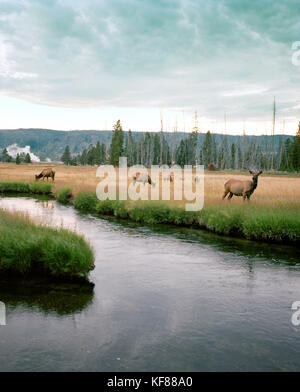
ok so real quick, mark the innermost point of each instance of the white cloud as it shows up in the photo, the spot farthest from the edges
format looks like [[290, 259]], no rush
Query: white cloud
[[197, 54]]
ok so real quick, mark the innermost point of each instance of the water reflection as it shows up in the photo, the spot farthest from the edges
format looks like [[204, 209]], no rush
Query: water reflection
[[165, 299], [47, 204], [45, 296], [272, 253]]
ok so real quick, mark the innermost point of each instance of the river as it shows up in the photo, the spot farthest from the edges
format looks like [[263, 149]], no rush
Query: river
[[165, 299]]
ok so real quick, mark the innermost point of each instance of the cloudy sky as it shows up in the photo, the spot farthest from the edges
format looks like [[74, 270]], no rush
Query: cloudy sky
[[82, 64]]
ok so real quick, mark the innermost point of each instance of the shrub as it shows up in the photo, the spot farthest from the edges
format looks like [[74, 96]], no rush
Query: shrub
[[14, 187], [105, 207], [86, 202], [25, 187], [120, 210], [63, 195], [181, 217], [150, 213], [221, 220], [279, 225], [40, 188], [112, 207]]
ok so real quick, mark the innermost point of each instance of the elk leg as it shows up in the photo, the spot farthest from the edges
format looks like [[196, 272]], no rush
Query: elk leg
[[225, 194], [230, 196]]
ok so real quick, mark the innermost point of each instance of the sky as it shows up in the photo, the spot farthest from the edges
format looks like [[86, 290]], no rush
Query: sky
[[84, 64]]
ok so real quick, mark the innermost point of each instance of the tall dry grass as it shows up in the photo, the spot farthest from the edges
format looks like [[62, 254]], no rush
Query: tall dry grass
[[272, 190], [272, 215]]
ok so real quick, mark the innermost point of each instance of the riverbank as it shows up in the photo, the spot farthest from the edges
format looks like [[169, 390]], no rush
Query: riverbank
[[268, 219], [281, 224], [30, 249]]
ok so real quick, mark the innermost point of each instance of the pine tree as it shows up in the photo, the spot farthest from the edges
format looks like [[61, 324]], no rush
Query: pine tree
[[83, 157], [91, 155], [27, 158], [191, 148], [73, 161], [148, 149], [295, 151], [280, 155], [116, 147], [18, 159], [181, 153], [224, 155], [285, 158], [66, 157], [5, 157], [156, 150], [103, 153], [98, 154], [207, 150], [250, 156], [233, 156]]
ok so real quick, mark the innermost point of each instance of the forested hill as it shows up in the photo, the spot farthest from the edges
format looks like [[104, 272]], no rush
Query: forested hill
[[47, 143]]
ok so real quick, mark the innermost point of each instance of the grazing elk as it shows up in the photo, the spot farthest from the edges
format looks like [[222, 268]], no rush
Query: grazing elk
[[46, 173], [143, 177], [241, 188]]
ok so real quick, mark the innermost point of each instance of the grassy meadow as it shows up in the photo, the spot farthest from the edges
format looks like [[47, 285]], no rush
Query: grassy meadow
[[273, 214]]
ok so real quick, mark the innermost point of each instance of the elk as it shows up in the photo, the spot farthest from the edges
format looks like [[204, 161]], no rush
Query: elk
[[241, 188], [46, 173], [143, 177]]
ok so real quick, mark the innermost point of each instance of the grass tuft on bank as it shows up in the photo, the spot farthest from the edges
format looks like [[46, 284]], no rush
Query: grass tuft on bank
[[26, 248], [278, 224], [63, 195], [35, 188], [86, 201]]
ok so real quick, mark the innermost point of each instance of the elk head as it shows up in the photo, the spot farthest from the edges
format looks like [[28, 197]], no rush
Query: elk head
[[255, 175]]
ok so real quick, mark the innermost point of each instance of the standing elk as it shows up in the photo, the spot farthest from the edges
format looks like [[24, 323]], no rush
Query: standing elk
[[241, 188], [46, 173]]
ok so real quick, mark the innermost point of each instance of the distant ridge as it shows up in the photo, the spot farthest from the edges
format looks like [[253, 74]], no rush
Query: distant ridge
[[48, 143]]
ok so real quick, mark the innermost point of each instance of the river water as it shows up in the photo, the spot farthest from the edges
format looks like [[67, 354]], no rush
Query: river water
[[165, 299]]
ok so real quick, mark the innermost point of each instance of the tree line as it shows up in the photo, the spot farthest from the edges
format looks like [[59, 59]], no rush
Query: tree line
[[154, 149]]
